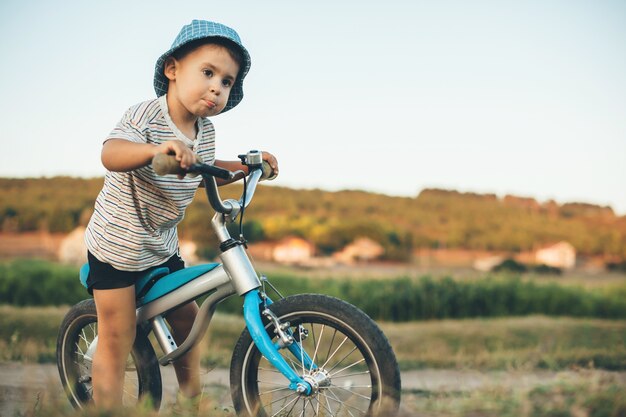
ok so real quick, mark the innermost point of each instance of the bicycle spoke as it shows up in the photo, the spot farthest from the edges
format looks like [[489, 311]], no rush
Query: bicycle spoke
[[351, 392], [282, 398], [316, 345], [336, 350], [342, 359], [274, 390], [357, 386], [349, 366], [292, 407], [335, 398], [293, 364], [330, 346], [335, 376], [317, 400], [304, 403], [270, 383], [328, 403], [285, 406], [83, 336], [310, 403], [80, 351]]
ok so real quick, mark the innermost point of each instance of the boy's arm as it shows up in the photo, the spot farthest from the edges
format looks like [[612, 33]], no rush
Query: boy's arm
[[122, 155], [231, 166], [237, 165]]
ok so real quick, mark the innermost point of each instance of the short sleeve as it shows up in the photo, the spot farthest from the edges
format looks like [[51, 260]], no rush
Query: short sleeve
[[128, 129]]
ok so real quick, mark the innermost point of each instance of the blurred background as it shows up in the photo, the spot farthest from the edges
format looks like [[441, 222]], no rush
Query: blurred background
[[453, 168]]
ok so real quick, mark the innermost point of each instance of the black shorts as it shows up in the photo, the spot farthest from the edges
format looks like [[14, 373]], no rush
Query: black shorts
[[103, 276]]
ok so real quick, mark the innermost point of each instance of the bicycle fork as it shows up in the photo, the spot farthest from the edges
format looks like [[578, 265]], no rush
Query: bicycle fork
[[252, 316]]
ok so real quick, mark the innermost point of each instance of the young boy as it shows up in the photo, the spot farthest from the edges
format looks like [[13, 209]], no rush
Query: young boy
[[133, 227]]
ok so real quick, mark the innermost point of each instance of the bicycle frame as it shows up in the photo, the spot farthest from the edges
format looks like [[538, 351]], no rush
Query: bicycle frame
[[235, 275]]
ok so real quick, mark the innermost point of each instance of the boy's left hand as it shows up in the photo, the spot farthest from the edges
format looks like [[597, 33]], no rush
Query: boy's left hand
[[271, 159]]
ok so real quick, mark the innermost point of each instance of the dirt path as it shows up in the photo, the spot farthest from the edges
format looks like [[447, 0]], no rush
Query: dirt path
[[23, 385]]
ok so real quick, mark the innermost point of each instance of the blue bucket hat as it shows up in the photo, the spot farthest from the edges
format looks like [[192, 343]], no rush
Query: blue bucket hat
[[203, 29]]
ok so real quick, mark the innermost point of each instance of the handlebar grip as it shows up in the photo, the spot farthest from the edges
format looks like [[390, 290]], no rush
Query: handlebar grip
[[268, 172], [164, 164]]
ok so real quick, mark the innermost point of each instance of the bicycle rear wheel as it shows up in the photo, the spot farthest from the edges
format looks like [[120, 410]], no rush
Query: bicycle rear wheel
[[356, 375], [75, 350]]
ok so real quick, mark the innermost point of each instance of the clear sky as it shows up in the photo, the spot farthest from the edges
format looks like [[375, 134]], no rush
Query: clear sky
[[520, 97]]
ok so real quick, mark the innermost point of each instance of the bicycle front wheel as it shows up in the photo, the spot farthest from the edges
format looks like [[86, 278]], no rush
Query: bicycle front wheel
[[355, 372], [75, 348]]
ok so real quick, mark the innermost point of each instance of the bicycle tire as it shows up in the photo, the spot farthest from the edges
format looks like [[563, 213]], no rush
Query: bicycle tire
[[77, 332], [374, 389]]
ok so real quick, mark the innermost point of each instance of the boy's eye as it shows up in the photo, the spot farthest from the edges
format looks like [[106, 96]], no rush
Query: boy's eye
[[208, 73], [227, 83]]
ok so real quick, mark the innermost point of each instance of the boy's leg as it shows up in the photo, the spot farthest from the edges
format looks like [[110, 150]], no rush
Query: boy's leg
[[188, 366], [116, 335]]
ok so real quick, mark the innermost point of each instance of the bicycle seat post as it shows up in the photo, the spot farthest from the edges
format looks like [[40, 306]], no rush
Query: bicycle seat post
[[163, 335]]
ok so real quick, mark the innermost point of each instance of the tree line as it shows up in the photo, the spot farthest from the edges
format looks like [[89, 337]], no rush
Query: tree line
[[432, 219]]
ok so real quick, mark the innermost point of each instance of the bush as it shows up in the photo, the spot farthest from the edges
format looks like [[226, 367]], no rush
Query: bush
[[616, 266], [401, 299], [546, 269], [510, 265], [35, 282], [405, 299]]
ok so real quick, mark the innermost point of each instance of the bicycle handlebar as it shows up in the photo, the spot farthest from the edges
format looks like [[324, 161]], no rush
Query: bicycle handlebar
[[164, 164]]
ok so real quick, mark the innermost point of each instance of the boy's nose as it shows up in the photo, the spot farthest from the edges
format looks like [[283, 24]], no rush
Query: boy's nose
[[216, 88]]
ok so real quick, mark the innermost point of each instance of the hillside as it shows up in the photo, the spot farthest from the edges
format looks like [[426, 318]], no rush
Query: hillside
[[433, 219]]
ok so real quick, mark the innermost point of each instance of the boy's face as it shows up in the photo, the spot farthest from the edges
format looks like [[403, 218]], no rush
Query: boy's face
[[201, 81]]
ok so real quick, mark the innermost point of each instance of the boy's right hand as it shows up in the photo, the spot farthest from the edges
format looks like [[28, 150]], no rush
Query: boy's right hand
[[183, 154]]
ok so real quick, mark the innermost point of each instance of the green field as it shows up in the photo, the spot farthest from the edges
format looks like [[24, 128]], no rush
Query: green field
[[520, 345], [534, 342], [469, 322]]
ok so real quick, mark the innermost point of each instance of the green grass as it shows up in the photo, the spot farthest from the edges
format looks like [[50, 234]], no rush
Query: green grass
[[524, 344], [535, 342], [598, 396]]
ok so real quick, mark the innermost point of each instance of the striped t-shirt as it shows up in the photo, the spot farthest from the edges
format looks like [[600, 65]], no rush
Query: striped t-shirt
[[133, 226]]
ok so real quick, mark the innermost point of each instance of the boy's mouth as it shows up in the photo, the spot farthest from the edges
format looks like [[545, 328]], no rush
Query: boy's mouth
[[210, 103]]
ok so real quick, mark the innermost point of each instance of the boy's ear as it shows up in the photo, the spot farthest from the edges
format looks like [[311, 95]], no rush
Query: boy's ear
[[169, 68]]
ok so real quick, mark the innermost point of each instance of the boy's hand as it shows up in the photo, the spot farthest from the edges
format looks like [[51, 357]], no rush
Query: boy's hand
[[183, 154], [271, 159]]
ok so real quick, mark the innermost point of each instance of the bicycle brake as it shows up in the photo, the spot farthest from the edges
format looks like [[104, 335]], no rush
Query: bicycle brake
[[284, 339]]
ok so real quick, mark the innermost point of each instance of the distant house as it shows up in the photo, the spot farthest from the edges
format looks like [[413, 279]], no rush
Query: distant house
[[559, 255], [72, 249], [488, 263], [361, 249], [293, 250], [188, 251]]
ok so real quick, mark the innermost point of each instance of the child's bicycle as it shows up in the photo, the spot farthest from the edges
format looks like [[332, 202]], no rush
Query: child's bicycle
[[304, 355]]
